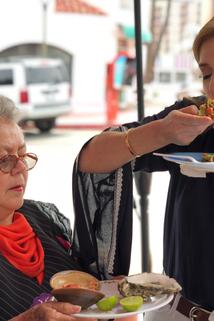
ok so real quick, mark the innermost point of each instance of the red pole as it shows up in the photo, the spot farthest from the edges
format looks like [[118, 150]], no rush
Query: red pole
[[112, 96], [112, 91]]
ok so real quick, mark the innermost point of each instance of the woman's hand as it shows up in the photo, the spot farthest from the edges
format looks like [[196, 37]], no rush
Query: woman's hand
[[182, 126], [179, 127], [51, 311]]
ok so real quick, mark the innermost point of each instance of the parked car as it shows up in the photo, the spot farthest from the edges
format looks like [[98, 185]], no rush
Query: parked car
[[40, 87]]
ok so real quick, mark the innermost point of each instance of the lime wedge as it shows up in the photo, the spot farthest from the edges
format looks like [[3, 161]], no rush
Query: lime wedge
[[108, 303], [131, 303]]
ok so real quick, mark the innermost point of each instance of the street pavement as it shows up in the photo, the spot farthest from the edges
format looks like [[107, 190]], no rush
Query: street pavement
[[94, 120], [99, 120]]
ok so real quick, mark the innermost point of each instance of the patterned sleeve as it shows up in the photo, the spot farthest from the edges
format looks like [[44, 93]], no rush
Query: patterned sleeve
[[103, 220]]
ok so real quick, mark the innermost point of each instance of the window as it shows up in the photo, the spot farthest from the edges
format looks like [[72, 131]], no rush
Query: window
[[41, 75], [6, 77], [180, 77], [164, 77]]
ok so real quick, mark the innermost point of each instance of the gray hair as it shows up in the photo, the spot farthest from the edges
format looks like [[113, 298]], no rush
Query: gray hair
[[8, 109]]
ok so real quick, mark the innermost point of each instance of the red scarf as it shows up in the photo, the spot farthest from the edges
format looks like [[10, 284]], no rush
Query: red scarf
[[22, 248]]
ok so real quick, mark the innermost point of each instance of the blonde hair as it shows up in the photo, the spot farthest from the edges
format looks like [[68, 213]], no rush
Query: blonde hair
[[8, 109], [206, 32]]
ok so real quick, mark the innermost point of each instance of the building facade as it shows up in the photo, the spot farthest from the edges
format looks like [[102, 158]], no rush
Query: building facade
[[84, 33], [185, 19]]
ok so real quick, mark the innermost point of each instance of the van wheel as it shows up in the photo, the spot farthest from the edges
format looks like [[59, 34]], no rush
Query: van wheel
[[45, 125]]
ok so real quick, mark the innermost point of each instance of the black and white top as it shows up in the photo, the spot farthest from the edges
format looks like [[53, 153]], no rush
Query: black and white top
[[17, 290], [189, 218]]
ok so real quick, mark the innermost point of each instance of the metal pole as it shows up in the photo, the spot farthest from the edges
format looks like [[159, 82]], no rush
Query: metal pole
[[44, 28], [142, 179], [139, 59]]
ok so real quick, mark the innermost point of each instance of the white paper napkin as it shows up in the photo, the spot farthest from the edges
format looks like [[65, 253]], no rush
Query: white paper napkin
[[191, 171]]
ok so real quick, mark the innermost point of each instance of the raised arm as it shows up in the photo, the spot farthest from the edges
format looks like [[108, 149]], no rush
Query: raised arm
[[111, 150]]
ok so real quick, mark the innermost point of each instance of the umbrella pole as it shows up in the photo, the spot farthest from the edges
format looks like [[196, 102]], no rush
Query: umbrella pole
[[142, 179], [139, 59]]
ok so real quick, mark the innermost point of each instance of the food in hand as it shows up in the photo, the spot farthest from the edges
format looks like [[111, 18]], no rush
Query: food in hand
[[76, 287], [147, 285], [207, 109], [131, 303], [107, 304], [208, 157]]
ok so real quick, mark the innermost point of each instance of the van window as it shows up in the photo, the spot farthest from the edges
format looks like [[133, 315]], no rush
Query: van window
[[6, 77], [52, 74]]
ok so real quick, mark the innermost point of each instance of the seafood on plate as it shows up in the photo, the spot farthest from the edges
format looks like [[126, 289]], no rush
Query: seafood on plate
[[76, 287], [148, 284], [208, 157]]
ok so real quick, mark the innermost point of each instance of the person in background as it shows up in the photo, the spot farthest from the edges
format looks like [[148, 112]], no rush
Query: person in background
[[189, 220], [35, 238]]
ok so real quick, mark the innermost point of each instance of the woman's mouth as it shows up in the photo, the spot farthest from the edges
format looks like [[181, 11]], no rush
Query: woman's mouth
[[17, 188]]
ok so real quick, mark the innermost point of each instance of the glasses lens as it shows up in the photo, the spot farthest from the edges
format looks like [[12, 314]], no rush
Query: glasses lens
[[30, 160], [7, 163]]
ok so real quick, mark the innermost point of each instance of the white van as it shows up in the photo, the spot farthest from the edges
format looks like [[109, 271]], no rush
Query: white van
[[40, 87]]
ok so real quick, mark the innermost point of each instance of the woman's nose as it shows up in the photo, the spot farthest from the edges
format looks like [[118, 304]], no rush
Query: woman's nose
[[19, 167]]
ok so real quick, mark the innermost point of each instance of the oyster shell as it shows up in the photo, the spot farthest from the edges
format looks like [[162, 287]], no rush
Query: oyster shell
[[82, 297], [76, 287], [148, 284], [76, 278]]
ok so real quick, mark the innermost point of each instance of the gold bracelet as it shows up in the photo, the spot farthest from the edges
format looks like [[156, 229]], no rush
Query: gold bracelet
[[130, 148]]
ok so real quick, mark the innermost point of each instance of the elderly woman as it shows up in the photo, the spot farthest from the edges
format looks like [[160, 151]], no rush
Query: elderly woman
[[35, 238], [32, 234], [189, 220]]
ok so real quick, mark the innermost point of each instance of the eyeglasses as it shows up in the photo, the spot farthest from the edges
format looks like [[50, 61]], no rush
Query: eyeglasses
[[8, 163]]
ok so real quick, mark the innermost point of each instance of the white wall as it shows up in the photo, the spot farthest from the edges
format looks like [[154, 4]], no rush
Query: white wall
[[91, 41], [20, 21]]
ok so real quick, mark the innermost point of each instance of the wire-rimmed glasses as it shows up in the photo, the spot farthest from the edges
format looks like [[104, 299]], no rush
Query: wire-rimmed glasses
[[8, 162]]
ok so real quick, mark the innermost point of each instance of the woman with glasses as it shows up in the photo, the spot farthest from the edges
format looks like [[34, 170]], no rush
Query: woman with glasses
[[189, 219], [35, 238], [29, 242]]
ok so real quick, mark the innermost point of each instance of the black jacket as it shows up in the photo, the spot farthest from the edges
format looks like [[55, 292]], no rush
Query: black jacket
[[17, 290]]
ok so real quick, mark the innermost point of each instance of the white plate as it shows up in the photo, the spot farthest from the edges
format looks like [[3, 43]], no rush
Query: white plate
[[110, 288], [193, 160]]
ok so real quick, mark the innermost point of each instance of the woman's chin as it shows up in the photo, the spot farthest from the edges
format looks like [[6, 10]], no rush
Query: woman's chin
[[16, 204], [20, 203]]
